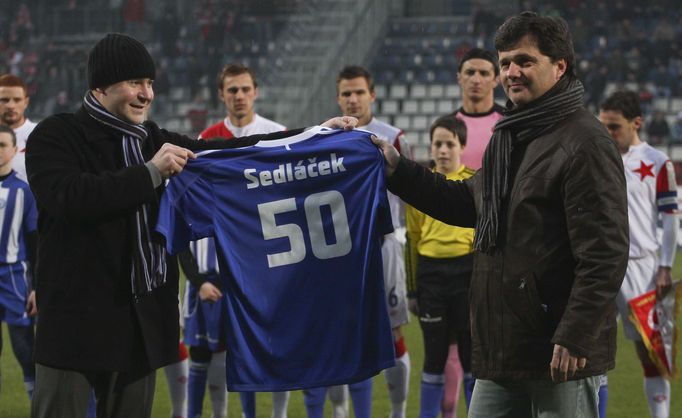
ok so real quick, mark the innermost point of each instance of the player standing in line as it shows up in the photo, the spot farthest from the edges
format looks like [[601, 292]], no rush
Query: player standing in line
[[652, 191], [439, 262], [204, 304], [177, 376], [17, 254], [355, 95], [477, 75], [13, 103]]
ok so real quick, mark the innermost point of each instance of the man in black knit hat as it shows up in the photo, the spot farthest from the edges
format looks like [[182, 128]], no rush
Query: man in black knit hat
[[106, 289], [549, 207]]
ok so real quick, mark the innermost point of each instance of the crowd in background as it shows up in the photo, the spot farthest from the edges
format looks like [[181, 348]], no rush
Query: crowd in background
[[628, 42]]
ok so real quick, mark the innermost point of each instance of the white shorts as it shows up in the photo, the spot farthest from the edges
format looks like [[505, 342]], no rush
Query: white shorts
[[394, 280], [639, 279]]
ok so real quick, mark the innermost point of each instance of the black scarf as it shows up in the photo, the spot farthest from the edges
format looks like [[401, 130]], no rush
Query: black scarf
[[149, 257], [519, 125]]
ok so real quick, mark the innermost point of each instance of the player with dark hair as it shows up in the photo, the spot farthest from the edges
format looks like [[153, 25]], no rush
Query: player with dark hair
[[477, 75], [355, 95], [652, 195], [17, 257], [204, 299]]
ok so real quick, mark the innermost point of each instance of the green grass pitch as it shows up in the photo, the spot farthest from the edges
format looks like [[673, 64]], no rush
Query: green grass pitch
[[626, 399]]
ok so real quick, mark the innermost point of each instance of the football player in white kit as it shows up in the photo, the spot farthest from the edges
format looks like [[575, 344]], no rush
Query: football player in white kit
[[13, 103], [652, 192], [355, 95]]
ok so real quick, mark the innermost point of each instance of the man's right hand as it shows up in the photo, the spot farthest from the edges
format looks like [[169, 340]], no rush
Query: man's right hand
[[207, 291], [413, 306], [391, 155], [171, 159]]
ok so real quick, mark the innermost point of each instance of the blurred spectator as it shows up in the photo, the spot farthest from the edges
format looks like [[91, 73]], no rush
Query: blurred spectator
[[22, 26], [677, 129], [658, 129]]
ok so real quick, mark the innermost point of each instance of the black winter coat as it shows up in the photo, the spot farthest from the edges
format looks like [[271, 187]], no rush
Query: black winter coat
[[88, 319], [562, 250]]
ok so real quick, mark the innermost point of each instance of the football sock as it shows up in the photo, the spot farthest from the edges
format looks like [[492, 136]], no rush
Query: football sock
[[314, 401], [196, 388], [398, 380], [453, 383], [657, 391], [248, 404], [361, 394], [431, 395], [177, 376], [468, 383], [217, 389], [603, 395], [280, 401], [338, 396], [92, 406]]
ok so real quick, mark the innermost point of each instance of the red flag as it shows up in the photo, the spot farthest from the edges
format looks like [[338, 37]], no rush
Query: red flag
[[655, 320]]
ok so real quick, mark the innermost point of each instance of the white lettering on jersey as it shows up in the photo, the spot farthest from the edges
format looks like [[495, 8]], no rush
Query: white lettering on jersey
[[285, 173]]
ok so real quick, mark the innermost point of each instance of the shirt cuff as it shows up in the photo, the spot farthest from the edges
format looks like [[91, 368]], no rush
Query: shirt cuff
[[154, 173]]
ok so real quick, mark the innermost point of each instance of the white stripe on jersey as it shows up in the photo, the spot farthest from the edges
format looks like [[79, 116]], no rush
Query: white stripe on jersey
[[15, 229]]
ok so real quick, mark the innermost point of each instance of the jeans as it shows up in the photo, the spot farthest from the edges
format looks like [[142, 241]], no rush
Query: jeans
[[535, 399]]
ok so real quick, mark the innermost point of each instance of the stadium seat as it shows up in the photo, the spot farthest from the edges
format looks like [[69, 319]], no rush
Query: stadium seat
[[428, 107], [410, 106], [436, 91], [398, 91], [389, 107], [402, 122], [418, 91], [420, 122], [453, 91]]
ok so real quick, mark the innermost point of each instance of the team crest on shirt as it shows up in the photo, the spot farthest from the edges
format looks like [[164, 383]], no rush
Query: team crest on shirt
[[644, 170]]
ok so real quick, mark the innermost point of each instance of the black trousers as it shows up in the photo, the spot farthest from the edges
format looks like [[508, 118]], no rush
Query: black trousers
[[443, 297], [65, 393]]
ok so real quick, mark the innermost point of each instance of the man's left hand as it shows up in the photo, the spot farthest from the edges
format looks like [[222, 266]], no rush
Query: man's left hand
[[346, 123], [564, 364], [31, 307], [664, 281]]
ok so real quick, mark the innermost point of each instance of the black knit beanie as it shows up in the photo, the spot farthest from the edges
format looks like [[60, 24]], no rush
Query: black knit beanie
[[116, 58]]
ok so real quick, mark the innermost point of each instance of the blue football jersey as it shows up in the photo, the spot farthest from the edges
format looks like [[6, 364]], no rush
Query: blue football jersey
[[18, 216], [298, 224]]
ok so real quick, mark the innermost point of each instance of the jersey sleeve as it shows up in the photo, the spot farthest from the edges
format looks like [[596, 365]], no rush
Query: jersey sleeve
[[185, 212], [666, 188]]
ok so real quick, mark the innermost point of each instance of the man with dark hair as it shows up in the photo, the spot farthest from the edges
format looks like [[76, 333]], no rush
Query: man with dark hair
[[477, 75], [13, 103], [355, 95], [205, 314], [106, 289], [238, 89], [652, 193], [551, 240]]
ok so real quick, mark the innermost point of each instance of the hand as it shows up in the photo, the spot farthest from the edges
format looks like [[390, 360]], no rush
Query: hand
[[391, 155], [208, 291], [31, 307], [346, 123], [564, 364], [664, 281], [413, 306], [171, 159]]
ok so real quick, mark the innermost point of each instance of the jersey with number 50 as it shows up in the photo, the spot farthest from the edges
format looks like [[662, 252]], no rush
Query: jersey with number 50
[[298, 223]]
